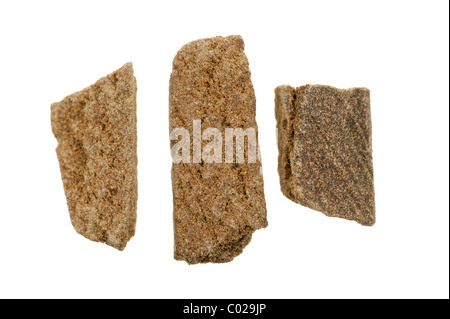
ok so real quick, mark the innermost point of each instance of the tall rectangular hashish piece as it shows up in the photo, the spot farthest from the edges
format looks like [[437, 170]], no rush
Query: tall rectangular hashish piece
[[217, 206]]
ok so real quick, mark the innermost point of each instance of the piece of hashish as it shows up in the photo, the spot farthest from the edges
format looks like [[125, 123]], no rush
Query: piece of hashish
[[97, 153], [325, 150], [217, 206]]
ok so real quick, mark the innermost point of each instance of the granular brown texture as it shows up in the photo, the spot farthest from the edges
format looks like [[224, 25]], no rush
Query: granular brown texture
[[217, 206], [325, 150], [97, 142]]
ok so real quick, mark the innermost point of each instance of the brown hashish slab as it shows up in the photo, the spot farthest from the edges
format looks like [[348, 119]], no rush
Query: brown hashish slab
[[325, 150], [217, 206], [97, 142]]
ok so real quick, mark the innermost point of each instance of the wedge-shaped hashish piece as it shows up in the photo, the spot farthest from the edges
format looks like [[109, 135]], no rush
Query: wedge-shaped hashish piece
[[97, 143], [217, 204], [325, 150]]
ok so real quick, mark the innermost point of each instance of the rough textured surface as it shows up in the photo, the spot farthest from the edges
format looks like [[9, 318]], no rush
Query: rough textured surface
[[325, 150], [97, 141], [217, 206]]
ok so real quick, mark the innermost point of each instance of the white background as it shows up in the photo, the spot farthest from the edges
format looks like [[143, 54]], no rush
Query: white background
[[397, 49]]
